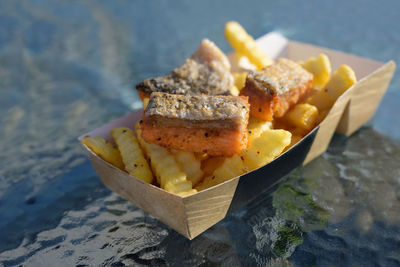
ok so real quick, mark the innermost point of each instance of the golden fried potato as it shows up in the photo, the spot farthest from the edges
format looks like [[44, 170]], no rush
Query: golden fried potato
[[190, 165], [234, 90], [186, 193], [265, 148], [298, 131], [184, 186], [240, 61], [321, 100], [244, 44], [304, 116], [240, 79], [145, 102], [262, 149], [132, 154], [320, 67], [165, 167], [257, 127], [105, 150], [322, 115], [230, 168], [342, 79], [295, 138], [210, 164]]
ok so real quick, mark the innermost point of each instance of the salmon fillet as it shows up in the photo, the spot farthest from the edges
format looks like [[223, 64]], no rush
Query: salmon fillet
[[276, 88], [216, 125], [207, 71]]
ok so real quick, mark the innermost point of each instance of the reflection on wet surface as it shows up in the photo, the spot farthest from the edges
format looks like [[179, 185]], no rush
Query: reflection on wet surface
[[68, 68]]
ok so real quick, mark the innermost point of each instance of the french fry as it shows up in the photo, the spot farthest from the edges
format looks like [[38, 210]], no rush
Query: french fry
[[209, 165], [264, 145], [295, 138], [234, 90], [145, 102], [167, 170], [105, 150], [189, 164], [240, 79], [244, 44], [265, 148], [322, 115], [232, 167], [131, 153], [186, 193], [304, 116], [321, 100], [298, 131], [241, 61], [342, 79], [257, 127], [320, 67], [184, 186]]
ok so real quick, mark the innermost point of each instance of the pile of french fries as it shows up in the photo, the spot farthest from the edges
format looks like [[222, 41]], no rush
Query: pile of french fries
[[304, 116], [184, 173]]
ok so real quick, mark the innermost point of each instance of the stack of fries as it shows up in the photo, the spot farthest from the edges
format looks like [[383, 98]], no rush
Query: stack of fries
[[185, 173], [304, 116]]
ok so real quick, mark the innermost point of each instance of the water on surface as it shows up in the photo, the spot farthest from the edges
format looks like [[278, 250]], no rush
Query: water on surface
[[68, 67]]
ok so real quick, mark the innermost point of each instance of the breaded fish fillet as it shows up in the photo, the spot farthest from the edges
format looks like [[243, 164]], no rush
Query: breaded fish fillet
[[216, 125], [274, 89], [207, 71]]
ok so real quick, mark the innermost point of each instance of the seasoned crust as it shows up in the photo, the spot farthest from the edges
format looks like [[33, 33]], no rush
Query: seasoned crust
[[278, 79], [206, 72], [191, 78], [197, 111]]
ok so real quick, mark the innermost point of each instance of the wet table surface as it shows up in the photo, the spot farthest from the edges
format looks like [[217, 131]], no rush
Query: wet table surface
[[68, 67]]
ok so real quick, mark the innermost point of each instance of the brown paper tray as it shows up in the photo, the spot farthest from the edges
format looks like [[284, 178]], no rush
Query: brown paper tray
[[192, 215]]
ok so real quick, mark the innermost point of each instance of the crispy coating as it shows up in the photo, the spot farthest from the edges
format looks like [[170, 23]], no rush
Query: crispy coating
[[197, 111], [278, 79], [206, 72]]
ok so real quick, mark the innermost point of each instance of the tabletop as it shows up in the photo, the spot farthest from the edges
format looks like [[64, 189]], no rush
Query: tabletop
[[67, 67]]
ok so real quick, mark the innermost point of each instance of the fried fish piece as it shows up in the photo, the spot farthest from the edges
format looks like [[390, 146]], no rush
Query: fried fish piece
[[216, 125], [274, 89], [207, 71]]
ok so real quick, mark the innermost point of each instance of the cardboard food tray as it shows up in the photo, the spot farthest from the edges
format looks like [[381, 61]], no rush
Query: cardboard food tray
[[193, 214]]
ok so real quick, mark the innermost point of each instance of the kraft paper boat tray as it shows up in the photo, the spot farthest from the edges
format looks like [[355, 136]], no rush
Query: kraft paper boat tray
[[193, 214]]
